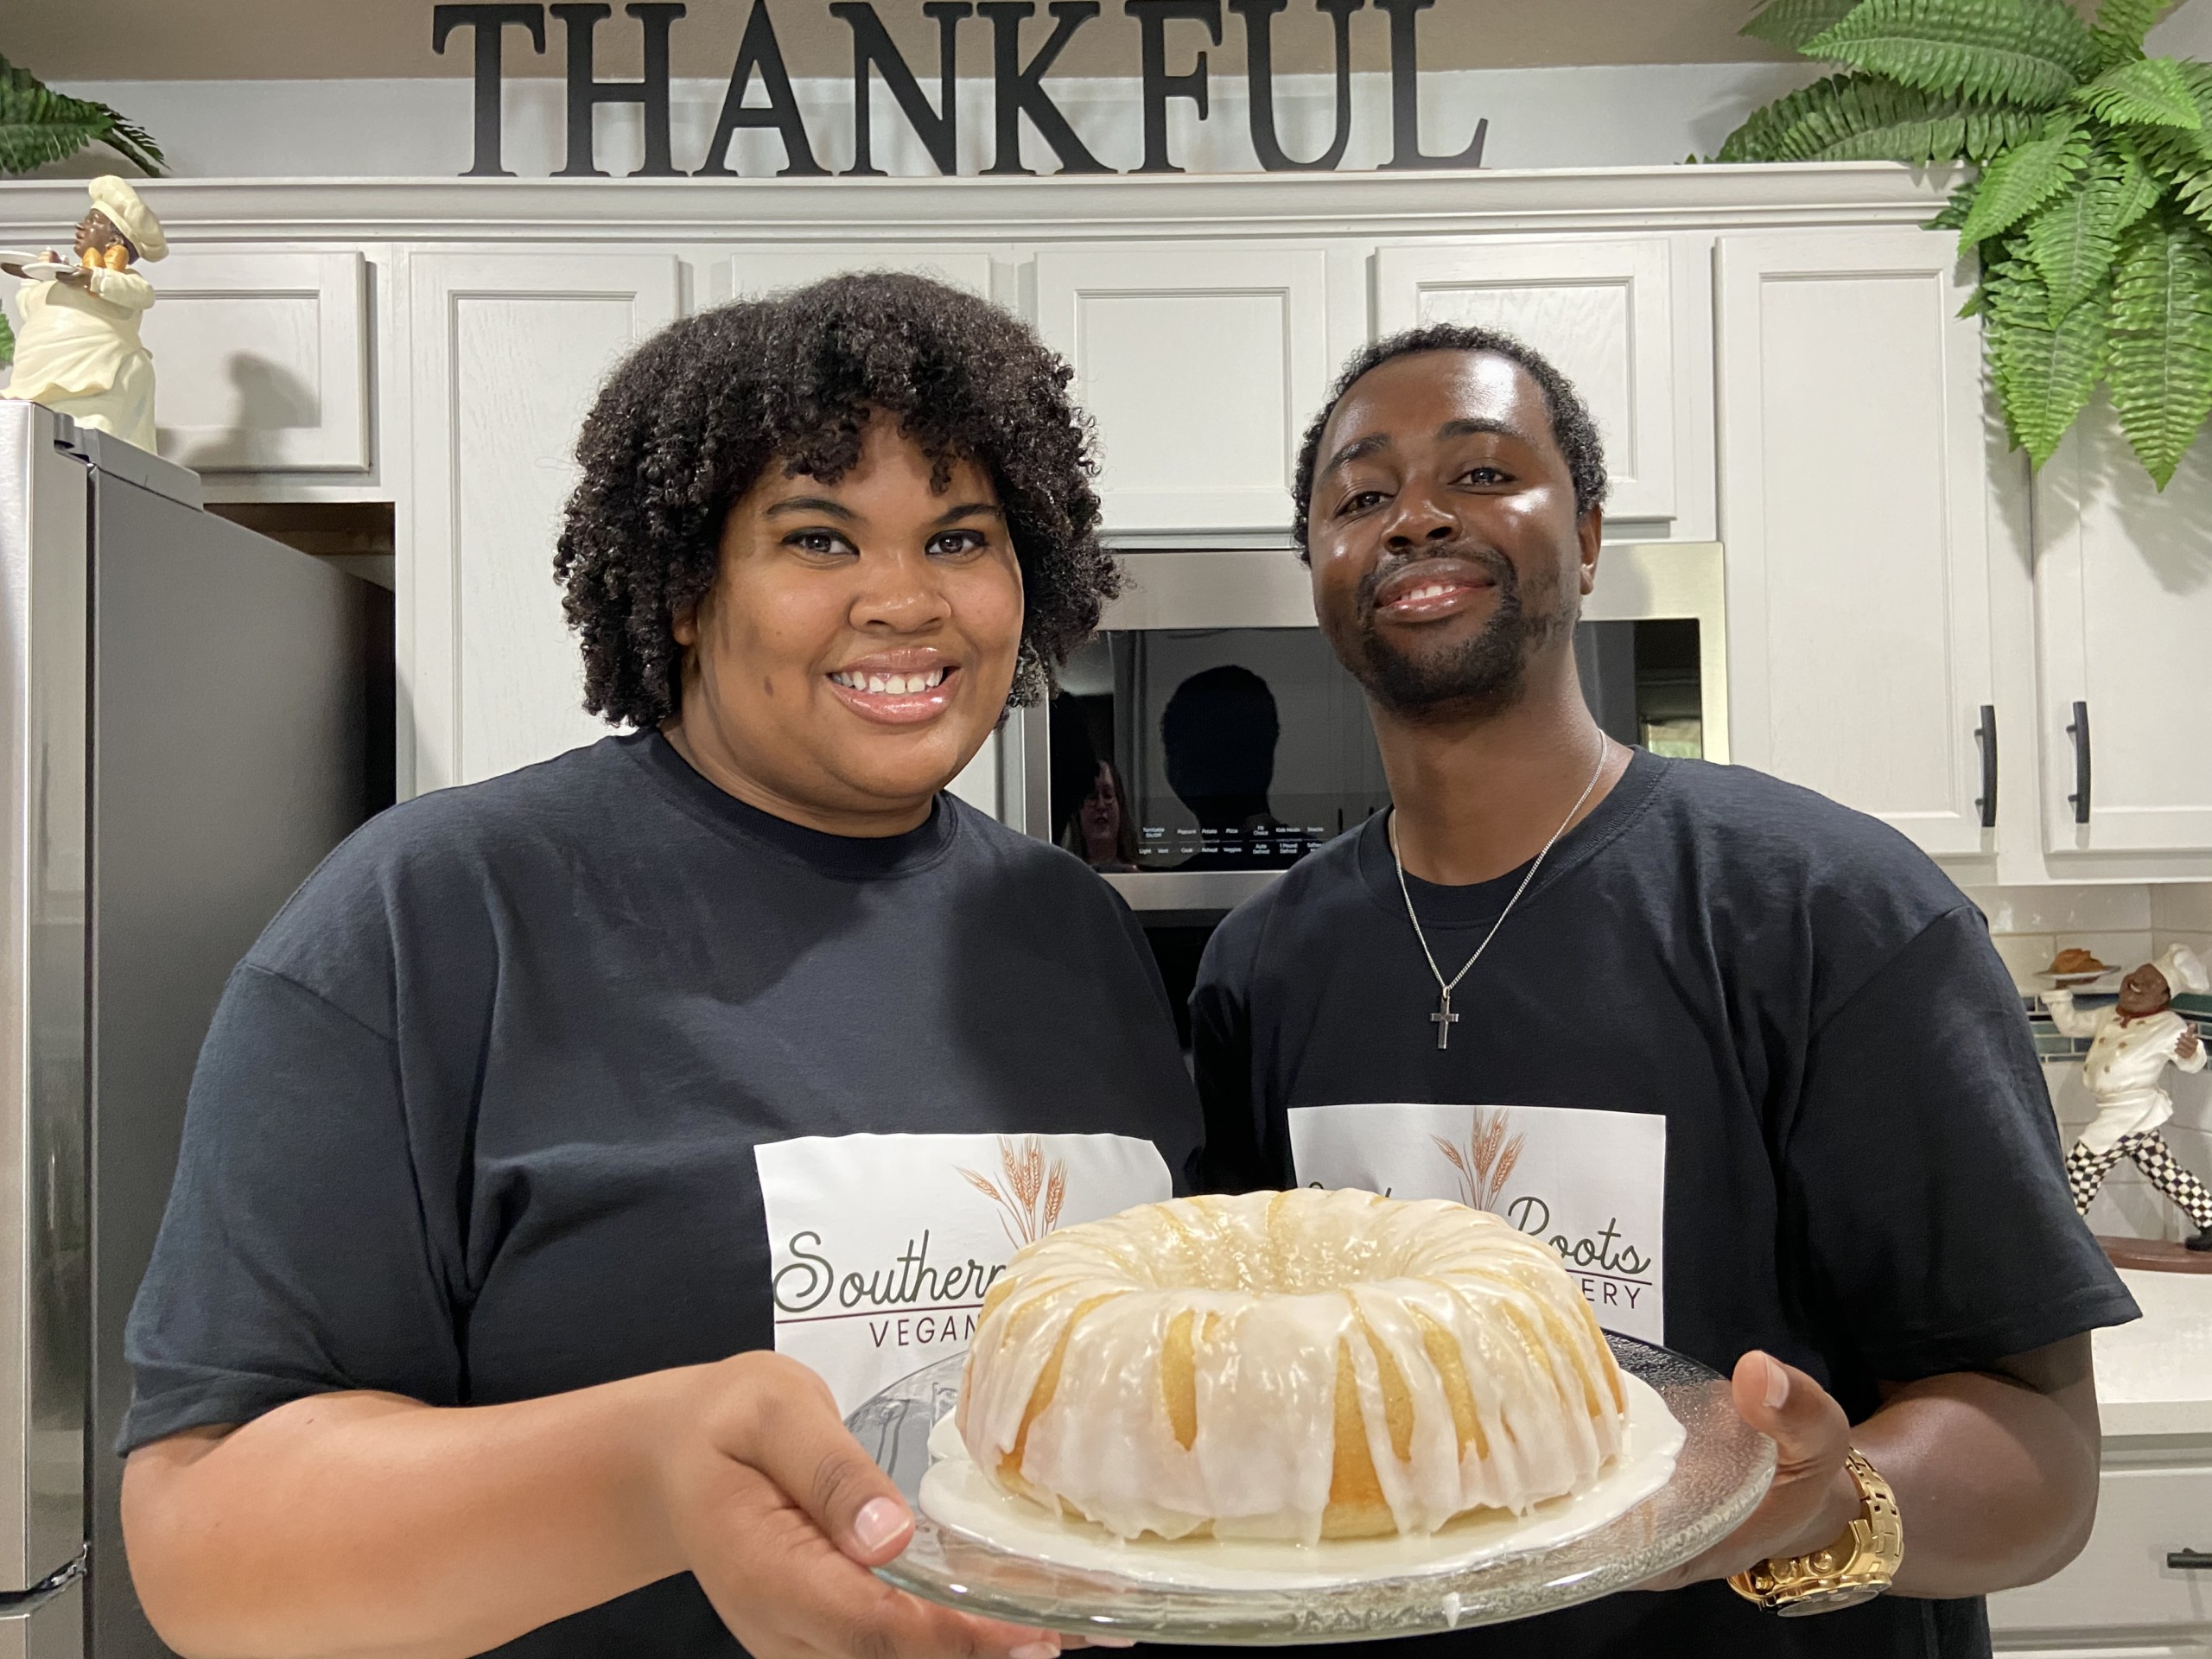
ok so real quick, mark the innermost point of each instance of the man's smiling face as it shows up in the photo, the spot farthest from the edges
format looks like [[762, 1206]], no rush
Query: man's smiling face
[[1447, 551]]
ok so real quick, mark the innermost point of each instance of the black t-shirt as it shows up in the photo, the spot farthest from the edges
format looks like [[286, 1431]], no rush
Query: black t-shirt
[[489, 1112], [1764, 1074]]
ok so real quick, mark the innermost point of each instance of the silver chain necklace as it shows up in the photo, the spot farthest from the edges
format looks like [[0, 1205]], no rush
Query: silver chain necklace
[[1444, 1019]]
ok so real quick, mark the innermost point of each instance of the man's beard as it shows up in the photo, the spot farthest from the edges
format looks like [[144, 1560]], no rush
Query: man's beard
[[1486, 674]]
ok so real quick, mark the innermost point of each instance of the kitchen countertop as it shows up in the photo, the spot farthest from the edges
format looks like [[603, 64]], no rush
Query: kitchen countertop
[[2154, 1376]]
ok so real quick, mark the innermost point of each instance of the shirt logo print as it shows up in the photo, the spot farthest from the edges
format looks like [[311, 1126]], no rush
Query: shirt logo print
[[1480, 1168], [1029, 1191]]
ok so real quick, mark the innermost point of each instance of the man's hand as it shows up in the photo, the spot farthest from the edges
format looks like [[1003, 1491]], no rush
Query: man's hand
[[1812, 1499], [2186, 1044]]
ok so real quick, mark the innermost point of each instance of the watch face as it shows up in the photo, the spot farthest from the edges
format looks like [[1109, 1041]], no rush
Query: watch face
[[1829, 1601]]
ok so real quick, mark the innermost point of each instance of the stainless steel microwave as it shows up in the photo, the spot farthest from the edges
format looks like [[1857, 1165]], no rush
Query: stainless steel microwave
[[1206, 737]]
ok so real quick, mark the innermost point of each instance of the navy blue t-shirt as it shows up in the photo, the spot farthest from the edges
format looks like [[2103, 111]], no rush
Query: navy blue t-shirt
[[1748, 1058], [481, 1115]]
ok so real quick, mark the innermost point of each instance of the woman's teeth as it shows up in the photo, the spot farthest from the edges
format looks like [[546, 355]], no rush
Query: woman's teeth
[[891, 684]]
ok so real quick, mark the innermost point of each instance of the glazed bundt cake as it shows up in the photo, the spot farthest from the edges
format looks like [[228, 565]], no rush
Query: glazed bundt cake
[[1299, 1364]]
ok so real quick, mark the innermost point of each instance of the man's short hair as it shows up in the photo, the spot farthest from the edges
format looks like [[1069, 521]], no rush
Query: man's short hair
[[1573, 429]]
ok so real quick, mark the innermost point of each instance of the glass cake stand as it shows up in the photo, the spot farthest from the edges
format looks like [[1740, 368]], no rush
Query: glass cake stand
[[1720, 1474]]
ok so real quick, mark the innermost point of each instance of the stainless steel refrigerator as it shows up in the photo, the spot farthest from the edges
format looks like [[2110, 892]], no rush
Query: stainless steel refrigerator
[[183, 735]]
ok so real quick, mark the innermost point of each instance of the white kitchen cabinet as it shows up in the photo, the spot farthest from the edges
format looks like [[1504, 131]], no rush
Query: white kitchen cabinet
[[508, 351], [1853, 507], [1201, 367], [261, 359], [751, 271], [1605, 311], [2123, 603], [2121, 1597]]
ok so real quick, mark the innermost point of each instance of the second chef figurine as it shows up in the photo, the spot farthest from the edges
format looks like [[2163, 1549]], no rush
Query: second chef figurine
[[2131, 1044], [79, 351]]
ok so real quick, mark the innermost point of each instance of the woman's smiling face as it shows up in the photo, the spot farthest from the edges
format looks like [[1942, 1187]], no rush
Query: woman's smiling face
[[858, 644]]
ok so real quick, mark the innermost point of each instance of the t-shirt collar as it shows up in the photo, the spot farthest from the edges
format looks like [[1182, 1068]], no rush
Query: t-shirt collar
[[852, 857], [1477, 904]]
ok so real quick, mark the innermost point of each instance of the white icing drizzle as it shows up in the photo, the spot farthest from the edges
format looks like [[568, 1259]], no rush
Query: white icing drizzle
[[1278, 1284]]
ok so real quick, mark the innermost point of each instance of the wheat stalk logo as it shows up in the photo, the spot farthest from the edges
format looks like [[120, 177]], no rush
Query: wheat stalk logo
[[1480, 1168], [1030, 1191]]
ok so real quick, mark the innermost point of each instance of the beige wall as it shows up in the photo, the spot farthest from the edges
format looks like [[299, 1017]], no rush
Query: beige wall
[[249, 40]]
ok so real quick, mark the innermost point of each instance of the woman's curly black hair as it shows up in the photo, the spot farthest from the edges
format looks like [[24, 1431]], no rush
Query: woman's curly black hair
[[699, 412]]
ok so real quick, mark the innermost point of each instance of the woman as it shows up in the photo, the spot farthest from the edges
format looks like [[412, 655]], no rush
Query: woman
[[576, 1147], [1103, 834]]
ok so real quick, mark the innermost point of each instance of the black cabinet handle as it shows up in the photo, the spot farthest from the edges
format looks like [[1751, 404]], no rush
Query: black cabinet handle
[[2190, 1561], [2079, 731], [1986, 736]]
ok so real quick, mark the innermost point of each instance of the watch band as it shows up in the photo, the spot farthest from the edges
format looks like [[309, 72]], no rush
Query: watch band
[[1858, 1565]]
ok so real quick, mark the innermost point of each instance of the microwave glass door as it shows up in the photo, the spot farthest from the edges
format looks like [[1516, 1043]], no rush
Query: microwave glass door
[[1244, 748]]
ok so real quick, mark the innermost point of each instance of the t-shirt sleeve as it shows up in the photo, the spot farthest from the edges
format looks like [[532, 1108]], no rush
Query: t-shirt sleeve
[[1236, 1158], [292, 1260], [1922, 1172]]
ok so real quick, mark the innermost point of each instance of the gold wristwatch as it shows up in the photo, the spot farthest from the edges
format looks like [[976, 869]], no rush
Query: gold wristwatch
[[1858, 1567]]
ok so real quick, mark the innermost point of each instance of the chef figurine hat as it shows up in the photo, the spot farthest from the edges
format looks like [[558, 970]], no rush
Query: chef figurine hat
[[2184, 971], [129, 214]]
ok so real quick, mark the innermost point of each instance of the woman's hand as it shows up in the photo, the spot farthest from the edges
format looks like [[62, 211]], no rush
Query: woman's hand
[[779, 1515], [1812, 1498], [350, 1524]]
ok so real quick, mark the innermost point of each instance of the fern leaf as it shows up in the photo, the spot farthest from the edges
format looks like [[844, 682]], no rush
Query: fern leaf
[[2027, 53], [2050, 367], [2022, 180], [2121, 26], [2147, 93], [2074, 239], [1860, 117], [2194, 197], [1791, 23], [2162, 340], [7, 342], [134, 143], [39, 125], [2139, 191], [1955, 210]]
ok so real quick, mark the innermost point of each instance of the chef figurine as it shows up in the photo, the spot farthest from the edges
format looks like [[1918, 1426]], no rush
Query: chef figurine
[[79, 351], [2132, 1043]]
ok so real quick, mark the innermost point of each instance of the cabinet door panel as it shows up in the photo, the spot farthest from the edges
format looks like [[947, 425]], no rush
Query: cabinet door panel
[[2124, 588], [509, 351], [260, 360], [1853, 505], [2120, 1580], [1201, 367], [762, 270], [1600, 311]]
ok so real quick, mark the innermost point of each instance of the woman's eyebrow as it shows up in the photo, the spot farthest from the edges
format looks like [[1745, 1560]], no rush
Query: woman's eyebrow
[[969, 510], [821, 503]]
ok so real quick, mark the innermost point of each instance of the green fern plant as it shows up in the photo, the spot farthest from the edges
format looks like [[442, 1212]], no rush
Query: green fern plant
[[2091, 211], [39, 125]]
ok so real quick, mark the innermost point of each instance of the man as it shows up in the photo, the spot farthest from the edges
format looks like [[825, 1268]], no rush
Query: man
[[80, 350], [1746, 1058], [2132, 1043]]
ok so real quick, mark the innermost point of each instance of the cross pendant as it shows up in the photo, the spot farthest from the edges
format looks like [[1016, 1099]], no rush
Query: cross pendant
[[1444, 1019]]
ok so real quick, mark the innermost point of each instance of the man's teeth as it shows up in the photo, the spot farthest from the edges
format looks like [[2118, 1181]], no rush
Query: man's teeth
[[1431, 590], [891, 684]]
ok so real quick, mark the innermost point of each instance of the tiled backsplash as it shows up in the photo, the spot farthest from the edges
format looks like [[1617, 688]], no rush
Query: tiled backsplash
[[2124, 926]]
